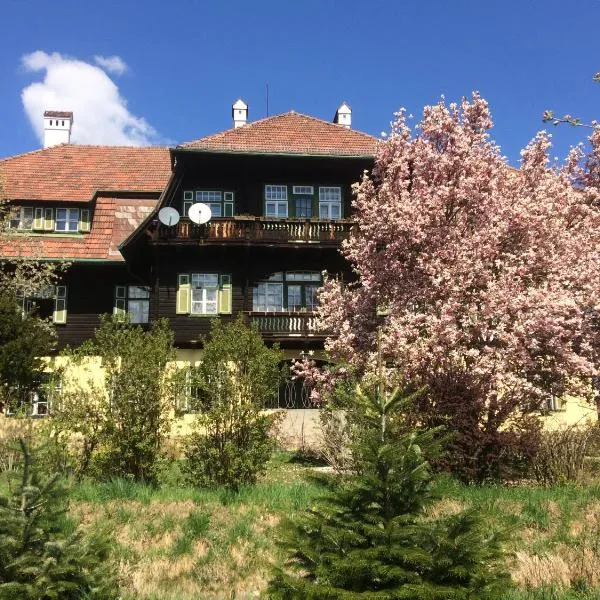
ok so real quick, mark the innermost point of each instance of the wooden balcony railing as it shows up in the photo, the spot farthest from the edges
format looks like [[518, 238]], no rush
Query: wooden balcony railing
[[260, 230], [283, 324]]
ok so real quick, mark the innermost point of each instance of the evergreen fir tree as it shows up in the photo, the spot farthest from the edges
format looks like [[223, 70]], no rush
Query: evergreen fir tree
[[371, 536], [40, 557]]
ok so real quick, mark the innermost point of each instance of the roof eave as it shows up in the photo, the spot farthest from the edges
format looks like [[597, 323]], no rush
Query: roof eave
[[226, 152]]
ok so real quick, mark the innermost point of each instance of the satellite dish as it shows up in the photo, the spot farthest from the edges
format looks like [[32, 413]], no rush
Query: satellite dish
[[168, 216], [199, 213]]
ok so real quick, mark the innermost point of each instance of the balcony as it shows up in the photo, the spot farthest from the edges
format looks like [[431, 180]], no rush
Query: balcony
[[254, 230], [285, 324]]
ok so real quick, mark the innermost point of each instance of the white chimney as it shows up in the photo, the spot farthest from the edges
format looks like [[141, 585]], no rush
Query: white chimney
[[343, 115], [239, 112], [57, 127]]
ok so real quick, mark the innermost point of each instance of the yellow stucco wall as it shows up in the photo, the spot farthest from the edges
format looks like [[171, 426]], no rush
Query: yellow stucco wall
[[298, 426]]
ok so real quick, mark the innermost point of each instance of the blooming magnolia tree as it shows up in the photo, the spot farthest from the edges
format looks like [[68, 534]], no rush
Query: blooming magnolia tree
[[489, 274]]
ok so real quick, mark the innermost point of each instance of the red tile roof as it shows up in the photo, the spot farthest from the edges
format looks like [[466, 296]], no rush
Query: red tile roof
[[72, 172], [289, 133], [114, 219]]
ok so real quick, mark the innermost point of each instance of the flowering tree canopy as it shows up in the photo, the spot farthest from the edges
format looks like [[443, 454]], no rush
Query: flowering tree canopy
[[485, 271]]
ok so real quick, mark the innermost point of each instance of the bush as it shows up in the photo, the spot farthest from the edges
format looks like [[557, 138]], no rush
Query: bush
[[117, 427], [562, 453], [238, 375]]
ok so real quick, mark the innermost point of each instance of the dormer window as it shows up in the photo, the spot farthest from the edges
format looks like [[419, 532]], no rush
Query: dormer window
[[21, 217], [67, 219]]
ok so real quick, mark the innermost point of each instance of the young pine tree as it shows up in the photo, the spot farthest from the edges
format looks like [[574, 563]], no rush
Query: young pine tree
[[40, 557], [371, 536]]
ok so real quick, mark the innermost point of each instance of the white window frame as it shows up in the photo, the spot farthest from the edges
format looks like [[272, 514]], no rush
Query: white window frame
[[202, 302], [69, 220], [123, 297], [17, 218], [303, 190], [276, 198], [330, 197]]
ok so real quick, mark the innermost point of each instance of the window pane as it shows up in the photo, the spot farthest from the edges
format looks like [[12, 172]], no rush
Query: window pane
[[335, 211], [303, 207], [282, 209], [330, 194], [274, 301], [271, 209], [136, 291], [215, 209], [27, 218], [276, 192], [303, 189], [323, 210], [311, 297], [294, 297], [138, 311]]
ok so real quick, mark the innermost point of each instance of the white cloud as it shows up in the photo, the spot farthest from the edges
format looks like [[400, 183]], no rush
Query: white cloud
[[100, 112], [111, 64]]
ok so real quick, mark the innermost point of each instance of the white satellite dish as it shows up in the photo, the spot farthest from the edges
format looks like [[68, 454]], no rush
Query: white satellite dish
[[168, 216], [199, 213]]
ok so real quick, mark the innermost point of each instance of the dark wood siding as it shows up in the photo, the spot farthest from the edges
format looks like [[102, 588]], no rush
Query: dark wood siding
[[247, 266], [90, 293]]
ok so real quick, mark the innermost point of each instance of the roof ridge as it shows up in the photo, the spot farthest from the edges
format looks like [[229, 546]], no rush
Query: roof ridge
[[70, 145], [270, 118]]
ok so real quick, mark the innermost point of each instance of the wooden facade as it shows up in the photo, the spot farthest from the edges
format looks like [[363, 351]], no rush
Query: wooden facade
[[127, 247]]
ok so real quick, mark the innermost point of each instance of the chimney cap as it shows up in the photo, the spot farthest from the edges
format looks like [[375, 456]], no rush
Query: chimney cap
[[59, 114]]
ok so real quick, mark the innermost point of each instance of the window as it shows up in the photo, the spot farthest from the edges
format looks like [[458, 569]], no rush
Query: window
[[203, 294], [276, 204], [38, 402], [205, 290], [221, 203], [48, 301], [330, 202], [21, 217], [292, 292], [303, 190], [304, 207], [133, 300], [67, 219]]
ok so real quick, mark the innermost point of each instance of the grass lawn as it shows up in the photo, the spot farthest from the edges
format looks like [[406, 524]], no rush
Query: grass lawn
[[180, 543]]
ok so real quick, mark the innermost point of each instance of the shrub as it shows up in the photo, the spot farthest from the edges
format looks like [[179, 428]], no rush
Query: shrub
[[562, 453], [238, 375], [117, 427]]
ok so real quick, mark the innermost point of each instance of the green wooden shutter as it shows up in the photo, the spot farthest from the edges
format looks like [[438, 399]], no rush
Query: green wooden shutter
[[38, 219], [48, 219], [120, 307], [60, 304], [84, 220], [225, 294], [183, 299]]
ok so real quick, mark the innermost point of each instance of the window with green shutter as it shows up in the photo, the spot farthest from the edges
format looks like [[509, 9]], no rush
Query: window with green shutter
[[59, 315], [204, 294]]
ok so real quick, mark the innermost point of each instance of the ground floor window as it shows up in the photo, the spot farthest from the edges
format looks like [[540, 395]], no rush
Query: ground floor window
[[133, 300], [37, 402]]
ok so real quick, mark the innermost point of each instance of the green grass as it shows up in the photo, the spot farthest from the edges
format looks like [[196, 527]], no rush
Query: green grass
[[175, 542]]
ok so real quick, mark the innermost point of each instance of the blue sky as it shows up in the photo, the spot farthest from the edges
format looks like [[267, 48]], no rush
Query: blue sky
[[186, 61]]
